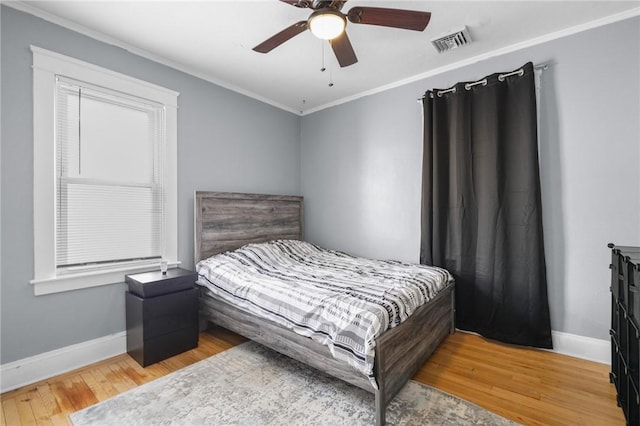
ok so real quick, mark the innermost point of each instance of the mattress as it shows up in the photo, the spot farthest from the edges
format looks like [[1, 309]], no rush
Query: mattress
[[341, 301]]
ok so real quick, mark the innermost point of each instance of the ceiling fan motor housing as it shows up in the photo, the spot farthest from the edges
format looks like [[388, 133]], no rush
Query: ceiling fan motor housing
[[322, 4], [303, 4]]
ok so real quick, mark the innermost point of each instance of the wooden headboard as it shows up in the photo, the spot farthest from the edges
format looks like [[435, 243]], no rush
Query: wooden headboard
[[226, 220]]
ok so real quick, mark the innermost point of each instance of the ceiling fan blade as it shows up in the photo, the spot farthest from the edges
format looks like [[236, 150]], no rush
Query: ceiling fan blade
[[310, 4], [397, 18], [288, 33], [344, 51], [298, 3]]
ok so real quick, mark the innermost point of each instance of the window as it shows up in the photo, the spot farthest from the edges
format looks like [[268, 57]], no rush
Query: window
[[104, 174], [109, 177]]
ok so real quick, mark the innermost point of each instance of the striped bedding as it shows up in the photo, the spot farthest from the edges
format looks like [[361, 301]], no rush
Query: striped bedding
[[341, 301]]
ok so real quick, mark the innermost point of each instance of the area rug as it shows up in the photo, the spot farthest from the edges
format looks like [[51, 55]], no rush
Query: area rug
[[252, 385]]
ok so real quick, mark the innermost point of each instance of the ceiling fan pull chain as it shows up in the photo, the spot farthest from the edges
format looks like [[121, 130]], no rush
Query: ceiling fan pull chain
[[330, 75], [324, 68]]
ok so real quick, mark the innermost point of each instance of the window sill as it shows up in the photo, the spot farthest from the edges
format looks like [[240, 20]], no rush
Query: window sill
[[76, 281]]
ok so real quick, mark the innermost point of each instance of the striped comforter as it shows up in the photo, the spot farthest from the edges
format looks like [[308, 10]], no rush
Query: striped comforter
[[341, 301]]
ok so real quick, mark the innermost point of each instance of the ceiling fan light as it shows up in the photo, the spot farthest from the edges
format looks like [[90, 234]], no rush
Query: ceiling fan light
[[327, 24]]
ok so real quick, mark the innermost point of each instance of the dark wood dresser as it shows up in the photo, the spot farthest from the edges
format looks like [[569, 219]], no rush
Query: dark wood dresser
[[625, 329], [162, 315]]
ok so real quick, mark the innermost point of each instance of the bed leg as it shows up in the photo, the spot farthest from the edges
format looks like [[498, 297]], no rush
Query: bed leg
[[380, 409], [453, 311], [381, 392]]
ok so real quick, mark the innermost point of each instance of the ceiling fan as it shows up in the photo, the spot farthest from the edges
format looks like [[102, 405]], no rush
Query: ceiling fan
[[328, 22]]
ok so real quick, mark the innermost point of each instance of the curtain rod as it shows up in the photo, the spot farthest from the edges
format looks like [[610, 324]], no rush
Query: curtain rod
[[501, 77]]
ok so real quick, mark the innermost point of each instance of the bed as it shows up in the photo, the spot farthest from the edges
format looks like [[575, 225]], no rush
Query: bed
[[228, 221]]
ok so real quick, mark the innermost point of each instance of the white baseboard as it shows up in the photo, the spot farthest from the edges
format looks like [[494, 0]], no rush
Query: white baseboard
[[588, 348], [43, 366], [582, 347]]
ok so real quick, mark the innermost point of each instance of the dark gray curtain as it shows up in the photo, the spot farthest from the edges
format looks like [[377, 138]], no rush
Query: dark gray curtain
[[481, 209]]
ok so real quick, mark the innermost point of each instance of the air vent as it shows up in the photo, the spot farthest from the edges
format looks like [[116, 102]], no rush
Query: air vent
[[452, 41]]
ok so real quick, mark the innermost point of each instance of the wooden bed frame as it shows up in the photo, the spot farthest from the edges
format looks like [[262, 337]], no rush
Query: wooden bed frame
[[227, 221]]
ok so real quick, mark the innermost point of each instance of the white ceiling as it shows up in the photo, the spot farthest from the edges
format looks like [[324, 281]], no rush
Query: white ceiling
[[213, 40]]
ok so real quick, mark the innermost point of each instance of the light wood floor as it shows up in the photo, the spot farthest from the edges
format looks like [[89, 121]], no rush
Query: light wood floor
[[528, 386]]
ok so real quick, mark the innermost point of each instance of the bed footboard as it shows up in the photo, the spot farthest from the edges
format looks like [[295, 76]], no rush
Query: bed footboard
[[400, 352], [280, 339]]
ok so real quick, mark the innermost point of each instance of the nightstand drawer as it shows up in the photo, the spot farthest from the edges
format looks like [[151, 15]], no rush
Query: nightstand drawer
[[150, 351], [164, 314], [162, 326]]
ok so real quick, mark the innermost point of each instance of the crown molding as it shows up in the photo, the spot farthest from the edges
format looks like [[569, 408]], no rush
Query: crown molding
[[479, 58], [23, 6]]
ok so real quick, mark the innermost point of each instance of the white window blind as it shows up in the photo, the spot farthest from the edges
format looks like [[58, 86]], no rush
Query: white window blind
[[109, 189]]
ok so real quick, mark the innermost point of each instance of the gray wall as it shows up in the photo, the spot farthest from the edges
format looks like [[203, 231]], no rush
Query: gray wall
[[226, 142], [361, 165], [358, 166]]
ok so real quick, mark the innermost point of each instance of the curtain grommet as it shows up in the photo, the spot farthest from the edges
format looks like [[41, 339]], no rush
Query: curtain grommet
[[442, 92], [468, 86], [503, 77]]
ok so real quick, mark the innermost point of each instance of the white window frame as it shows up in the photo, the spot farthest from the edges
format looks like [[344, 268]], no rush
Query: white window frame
[[47, 66]]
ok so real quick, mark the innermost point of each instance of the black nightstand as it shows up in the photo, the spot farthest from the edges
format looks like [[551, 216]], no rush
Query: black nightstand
[[162, 314]]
